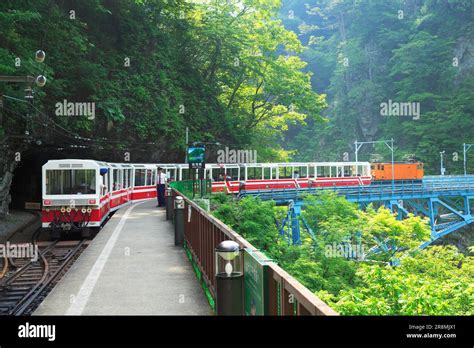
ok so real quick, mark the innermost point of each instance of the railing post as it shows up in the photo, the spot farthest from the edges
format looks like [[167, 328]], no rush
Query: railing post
[[169, 203], [179, 220]]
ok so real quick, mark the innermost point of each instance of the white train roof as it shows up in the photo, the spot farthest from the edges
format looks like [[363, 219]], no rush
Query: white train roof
[[82, 163]]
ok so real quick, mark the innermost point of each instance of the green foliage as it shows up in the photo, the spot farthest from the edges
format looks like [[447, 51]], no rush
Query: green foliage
[[434, 281], [253, 219], [154, 67]]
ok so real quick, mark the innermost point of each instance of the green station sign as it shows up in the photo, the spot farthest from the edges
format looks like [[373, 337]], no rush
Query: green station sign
[[255, 283]]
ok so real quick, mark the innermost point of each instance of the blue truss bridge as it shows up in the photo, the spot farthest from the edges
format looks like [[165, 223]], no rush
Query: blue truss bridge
[[445, 200]]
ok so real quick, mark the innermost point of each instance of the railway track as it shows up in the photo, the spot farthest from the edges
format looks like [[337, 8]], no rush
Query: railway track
[[25, 282]]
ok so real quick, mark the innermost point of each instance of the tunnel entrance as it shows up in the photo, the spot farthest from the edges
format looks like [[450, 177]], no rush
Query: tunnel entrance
[[25, 190]]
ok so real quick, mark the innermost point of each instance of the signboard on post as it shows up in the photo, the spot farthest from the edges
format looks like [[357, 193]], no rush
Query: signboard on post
[[196, 157], [255, 284]]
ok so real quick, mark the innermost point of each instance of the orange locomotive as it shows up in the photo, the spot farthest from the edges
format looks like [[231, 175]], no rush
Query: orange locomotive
[[402, 171]]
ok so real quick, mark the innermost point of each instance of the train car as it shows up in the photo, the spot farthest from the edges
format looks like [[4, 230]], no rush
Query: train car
[[79, 195], [75, 195], [402, 171], [231, 178]]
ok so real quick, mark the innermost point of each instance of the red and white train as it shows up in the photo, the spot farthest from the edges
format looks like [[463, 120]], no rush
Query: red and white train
[[81, 194]]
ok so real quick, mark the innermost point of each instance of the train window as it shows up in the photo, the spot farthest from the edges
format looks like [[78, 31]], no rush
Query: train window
[[171, 174], [70, 181], [311, 172], [250, 173], [267, 173], [326, 171], [349, 170], [148, 177], [301, 172], [129, 177], [185, 174], [105, 183], [242, 174], [218, 174], [118, 179], [285, 172], [323, 172], [232, 173], [383, 167], [115, 180], [140, 177], [254, 173], [125, 178]]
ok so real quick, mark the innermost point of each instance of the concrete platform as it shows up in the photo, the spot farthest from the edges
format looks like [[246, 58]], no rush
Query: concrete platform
[[131, 268]]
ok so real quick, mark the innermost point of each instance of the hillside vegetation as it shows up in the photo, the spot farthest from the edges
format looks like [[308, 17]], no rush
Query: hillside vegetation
[[364, 54]]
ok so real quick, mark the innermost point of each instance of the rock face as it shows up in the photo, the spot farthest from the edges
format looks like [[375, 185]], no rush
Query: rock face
[[7, 166], [464, 52]]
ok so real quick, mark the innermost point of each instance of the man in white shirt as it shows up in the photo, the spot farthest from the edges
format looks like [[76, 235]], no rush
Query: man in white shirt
[[160, 187]]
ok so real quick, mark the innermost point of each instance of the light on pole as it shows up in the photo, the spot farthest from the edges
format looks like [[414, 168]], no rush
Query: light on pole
[[39, 56], [39, 80]]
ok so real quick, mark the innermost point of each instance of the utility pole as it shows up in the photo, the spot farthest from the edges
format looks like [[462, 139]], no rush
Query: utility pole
[[187, 145], [442, 169], [388, 143], [466, 148]]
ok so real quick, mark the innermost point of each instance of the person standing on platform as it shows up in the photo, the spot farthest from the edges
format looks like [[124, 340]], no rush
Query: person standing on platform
[[160, 187]]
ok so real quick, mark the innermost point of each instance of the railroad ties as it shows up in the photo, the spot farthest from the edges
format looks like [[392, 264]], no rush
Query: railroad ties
[[27, 281]]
